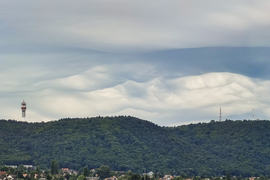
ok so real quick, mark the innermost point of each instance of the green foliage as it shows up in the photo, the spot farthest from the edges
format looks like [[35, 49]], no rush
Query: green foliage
[[127, 143], [62, 178], [54, 167], [27, 177], [103, 171], [73, 177], [4, 168], [135, 177], [81, 177], [42, 167], [86, 171], [145, 177], [20, 175], [32, 174], [67, 176], [48, 177], [228, 176], [128, 173], [21, 167]]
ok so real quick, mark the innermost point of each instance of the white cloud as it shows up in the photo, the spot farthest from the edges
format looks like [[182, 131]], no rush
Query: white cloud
[[163, 101]]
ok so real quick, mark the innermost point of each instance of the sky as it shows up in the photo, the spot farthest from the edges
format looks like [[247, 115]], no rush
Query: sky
[[169, 62]]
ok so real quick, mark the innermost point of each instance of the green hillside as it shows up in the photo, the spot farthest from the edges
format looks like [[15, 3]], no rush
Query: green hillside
[[127, 143], [243, 146]]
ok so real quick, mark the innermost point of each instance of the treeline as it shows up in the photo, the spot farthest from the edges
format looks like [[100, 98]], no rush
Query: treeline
[[127, 143]]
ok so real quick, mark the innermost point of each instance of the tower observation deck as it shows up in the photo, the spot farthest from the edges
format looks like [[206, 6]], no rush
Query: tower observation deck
[[23, 109]]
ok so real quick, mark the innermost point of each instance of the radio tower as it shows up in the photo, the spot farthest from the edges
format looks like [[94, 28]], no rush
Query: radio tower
[[253, 115], [220, 114], [23, 109]]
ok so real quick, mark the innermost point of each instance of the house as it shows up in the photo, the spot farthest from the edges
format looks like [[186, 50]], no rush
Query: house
[[3, 173], [65, 169], [253, 178], [150, 173], [72, 172], [167, 177], [8, 178], [12, 166], [111, 178], [91, 178], [29, 166]]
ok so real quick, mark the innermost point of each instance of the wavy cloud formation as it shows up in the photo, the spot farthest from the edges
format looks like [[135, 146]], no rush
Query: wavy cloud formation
[[163, 101], [169, 62]]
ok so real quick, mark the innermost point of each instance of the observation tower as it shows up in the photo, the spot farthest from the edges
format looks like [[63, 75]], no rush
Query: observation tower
[[23, 109]]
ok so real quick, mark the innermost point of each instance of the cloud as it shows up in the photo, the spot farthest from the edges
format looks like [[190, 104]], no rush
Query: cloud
[[130, 25], [89, 58], [163, 101]]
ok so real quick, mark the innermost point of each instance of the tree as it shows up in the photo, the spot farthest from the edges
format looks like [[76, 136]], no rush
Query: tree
[[145, 177], [38, 170], [134, 177], [48, 177], [54, 167], [155, 175], [239, 177], [42, 167], [27, 177], [183, 175], [80, 171], [21, 167], [81, 177], [103, 171], [67, 176], [32, 174], [161, 174], [20, 175], [228, 176], [129, 173], [86, 171], [5, 168], [72, 177]]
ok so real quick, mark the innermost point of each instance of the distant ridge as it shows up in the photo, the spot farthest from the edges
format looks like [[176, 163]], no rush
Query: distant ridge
[[128, 143]]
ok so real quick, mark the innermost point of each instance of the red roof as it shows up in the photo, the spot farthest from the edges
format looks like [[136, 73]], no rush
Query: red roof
[[3, 172]]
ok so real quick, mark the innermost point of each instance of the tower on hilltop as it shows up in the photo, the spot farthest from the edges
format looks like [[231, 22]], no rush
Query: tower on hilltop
[[220, 113], [23, 109]]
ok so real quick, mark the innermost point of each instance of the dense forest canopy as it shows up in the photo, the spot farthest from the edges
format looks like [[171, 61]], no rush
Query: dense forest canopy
[[128, 143]]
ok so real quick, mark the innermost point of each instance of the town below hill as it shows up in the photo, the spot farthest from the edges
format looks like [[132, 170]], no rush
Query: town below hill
[[29, 172], [127, 143]]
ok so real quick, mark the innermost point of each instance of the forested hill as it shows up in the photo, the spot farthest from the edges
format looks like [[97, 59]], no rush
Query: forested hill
[[127, 143]]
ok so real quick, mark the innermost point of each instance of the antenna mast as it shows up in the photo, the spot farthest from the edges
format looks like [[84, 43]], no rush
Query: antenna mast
[[253, 115], [220, 114]]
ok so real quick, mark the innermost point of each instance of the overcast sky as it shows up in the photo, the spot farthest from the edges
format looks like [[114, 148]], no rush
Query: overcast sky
[[170, 62]]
